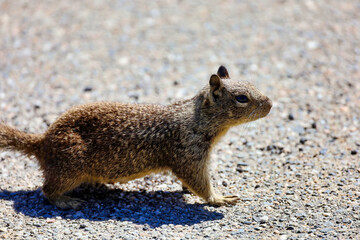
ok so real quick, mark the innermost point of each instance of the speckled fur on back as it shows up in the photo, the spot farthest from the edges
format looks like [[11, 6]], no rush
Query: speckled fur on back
[[113, 142]]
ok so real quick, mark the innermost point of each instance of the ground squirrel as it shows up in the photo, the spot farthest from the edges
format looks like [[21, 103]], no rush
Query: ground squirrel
[[115, 142]]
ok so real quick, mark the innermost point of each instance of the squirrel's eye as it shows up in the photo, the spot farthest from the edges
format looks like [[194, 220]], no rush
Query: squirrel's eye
[[242, 99]]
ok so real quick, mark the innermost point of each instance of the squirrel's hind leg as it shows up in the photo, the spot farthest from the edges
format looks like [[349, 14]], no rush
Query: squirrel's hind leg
[[54, 188]]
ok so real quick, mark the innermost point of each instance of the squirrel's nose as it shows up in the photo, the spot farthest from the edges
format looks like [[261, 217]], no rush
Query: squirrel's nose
[[269, 102], [267, 105], [266, 102]]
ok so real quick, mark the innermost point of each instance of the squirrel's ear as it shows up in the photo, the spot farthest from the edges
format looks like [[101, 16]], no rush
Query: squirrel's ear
[[215, 86], [222, 72]]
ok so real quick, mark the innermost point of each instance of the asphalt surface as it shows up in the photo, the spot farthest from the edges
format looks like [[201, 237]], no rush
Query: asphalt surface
[[297, 172]]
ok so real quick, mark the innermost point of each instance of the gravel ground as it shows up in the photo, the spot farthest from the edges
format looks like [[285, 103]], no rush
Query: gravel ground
[[297, 171]]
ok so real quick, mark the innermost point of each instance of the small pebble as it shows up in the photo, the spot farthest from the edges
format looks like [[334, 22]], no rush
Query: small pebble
[[303, 140], [87, 89], [52, 220], [323, 151], [247, 222], [240, 231], [242, 164], [290, 228]]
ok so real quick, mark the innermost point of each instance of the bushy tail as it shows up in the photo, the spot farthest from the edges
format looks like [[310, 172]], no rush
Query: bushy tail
[[16, 140]]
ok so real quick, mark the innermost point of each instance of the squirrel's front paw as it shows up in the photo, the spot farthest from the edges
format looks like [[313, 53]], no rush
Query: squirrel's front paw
[[223, 200]]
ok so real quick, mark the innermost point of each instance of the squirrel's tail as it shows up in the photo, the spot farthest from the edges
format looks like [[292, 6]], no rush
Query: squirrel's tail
[[16, 140]]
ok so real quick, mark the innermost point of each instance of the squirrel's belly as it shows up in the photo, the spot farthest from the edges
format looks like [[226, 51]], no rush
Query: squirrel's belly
[[121, 179]]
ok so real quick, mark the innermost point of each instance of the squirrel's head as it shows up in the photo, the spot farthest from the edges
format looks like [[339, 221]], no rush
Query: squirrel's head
[[236, 102]]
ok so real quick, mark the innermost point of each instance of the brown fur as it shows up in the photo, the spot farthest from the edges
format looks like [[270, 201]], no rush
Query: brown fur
[[113, 142]]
